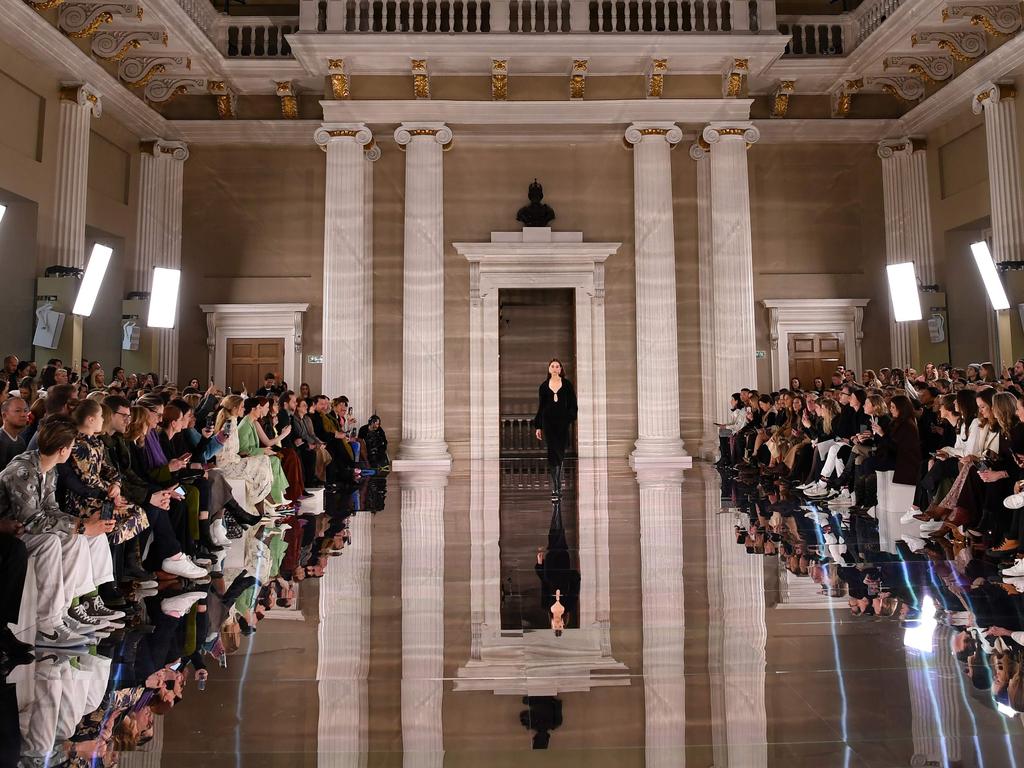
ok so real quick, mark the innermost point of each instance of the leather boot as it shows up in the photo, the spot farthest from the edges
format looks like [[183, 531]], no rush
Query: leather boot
[[205, 538], [133, 568], [238, 513]]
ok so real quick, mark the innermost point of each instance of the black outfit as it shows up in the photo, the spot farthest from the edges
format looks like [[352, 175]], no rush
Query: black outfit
[[555, 412], [13, 567], [557, 573], [9, 448]]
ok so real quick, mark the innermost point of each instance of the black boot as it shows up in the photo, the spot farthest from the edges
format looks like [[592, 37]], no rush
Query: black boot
[[558, 481], [238, 513], [204, 536], [133, 563], [553, 475]]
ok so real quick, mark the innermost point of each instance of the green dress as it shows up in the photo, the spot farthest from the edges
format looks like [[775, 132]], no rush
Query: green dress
[[249, 445]]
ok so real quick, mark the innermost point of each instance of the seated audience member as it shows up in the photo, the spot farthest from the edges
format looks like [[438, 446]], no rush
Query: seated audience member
[[71, 555], [59, 402], [10, 372], [376, 440], [252, 439], [15, 419], [305, 442], [270, 386], [252, 465]]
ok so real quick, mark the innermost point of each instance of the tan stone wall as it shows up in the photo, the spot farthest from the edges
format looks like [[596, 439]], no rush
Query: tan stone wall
[[253, 232], [28, 156]]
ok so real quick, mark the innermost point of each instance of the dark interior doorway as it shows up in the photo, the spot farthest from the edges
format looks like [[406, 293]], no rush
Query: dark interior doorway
[[534, 325]]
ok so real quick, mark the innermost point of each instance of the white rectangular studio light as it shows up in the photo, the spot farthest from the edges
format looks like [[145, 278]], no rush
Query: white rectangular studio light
[[906, 304], [90, 287], [163, 297], [3, 210], [989, 276]]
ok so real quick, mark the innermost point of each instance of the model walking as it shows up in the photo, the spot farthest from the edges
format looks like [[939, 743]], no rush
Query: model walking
[[556, 410]]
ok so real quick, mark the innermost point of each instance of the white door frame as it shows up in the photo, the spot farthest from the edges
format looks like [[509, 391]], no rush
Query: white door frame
[[537, 258], [254, 321], [787, 316]]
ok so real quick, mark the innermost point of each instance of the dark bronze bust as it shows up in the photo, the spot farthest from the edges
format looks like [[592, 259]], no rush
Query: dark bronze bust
[[536, 214]]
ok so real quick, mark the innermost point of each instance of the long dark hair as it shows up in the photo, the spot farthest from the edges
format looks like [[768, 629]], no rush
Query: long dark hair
[[561, 365], [904, 411]]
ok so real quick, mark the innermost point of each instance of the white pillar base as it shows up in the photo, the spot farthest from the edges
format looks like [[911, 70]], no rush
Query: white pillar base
[[441, 464], [639, 460]]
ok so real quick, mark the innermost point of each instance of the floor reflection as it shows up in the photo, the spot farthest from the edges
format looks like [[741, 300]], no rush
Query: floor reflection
[[703, 623]]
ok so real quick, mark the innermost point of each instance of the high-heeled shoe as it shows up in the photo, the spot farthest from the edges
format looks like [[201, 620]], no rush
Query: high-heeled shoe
[[239, 514]]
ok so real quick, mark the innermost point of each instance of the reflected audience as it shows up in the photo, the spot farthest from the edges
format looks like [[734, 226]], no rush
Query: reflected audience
[[144, 532], [903, 493]]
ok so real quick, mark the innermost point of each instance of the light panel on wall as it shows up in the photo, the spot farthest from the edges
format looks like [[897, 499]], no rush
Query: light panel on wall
[[989, 275], [94, 272], [3, 210], [163, 298], [906, 303]]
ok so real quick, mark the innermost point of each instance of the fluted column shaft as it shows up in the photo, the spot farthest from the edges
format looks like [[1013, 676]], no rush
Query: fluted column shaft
[[895, 161], [422, 619], [735, 344], [706, 302], [158, 231], [78, 105], [657, 348], [919, 215], [346, 337], [1004, 182], [423, 294]]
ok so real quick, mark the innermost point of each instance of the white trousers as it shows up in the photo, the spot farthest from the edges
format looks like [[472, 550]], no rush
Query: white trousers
[[66, 568], [833, 463]]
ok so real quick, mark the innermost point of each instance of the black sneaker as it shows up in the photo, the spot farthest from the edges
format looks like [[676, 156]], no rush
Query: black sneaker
[[11, 645]]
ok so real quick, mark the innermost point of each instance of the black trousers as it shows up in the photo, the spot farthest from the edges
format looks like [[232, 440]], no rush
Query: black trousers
[[165, 540], [13, 567]]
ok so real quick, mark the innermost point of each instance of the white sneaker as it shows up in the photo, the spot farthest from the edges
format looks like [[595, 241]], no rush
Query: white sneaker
[[931, 526], [1017, 569], [916, 543], [805, 486], [1016, 501], [219, 534], [1016, 581], [60, 636], [179, 605], [908, 517], [180, 565]]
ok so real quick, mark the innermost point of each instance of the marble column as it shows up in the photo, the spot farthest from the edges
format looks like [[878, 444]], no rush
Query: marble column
[[699, 152], [661, 578], [348, 316], [78, 105], [733, 297], [895, 154], [343, 661], [423, 444], [657, 348], [997, 101], [919, 215], [158, 231], [422, 618]]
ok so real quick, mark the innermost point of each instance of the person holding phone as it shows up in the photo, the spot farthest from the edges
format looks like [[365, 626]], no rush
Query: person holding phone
[[252, 465]]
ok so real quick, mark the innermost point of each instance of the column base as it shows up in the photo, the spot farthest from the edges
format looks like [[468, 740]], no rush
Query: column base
[[420, 457], [660, 454]]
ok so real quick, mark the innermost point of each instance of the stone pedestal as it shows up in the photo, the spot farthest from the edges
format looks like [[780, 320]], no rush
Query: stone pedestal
[[78, 105], [657, 355], [423, 444], [348, 271]]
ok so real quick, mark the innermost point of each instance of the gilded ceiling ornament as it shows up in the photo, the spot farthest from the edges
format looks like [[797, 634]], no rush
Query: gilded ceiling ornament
[[45, 5], [780, 99], [289, 101], [499, 79], [162, 89], [656, 78], [578, 78], [928, 67], [338, 75], [842, 99], [83, 19], [420, 79], [227, 102], [963, 45], [734, 79], [138, 70], [906, 87], [115, 44], [998, 19]]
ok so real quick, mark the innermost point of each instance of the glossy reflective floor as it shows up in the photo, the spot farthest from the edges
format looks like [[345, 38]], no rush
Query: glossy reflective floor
[[428, 642]]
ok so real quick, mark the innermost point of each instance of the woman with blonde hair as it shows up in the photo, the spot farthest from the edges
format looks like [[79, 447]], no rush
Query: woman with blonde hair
[[253, 468]]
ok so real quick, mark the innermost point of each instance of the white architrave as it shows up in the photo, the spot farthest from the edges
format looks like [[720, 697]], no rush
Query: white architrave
[[537, 258], [254, 321], [786, 316]]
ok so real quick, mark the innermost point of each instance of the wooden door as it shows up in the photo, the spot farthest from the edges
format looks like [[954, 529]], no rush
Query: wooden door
[[815, 355], [249, 360]]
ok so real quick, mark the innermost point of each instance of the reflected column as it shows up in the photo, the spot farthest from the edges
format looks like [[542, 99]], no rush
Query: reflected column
[[661, 568], [344, 651], [422, 618], [736, 641]]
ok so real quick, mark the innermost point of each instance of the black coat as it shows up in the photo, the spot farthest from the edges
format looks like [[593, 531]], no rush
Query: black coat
[[552, 415]]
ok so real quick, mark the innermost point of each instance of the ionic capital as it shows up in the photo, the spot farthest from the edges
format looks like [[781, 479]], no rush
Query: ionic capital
[[357, 133], [439, 133], [990, 94], [172, 150], [84, 95], [669, 132], [722, 132]]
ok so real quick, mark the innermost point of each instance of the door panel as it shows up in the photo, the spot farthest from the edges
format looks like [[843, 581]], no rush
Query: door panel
[[250, 359], [814, 355]]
